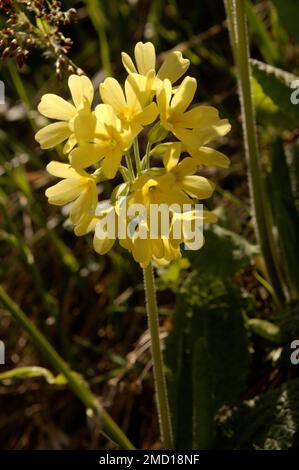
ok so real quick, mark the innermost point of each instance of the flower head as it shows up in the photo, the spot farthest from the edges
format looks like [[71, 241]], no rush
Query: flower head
[[110, 141], [173, 67], [197, 187], [133, 107], [75, 122], [77, 186], [194, 127], [101, 137]]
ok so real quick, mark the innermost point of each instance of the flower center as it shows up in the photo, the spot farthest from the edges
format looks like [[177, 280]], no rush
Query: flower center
[[113, 144]]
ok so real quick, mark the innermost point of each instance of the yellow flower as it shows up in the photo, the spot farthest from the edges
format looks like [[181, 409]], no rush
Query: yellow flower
[[173, 67], [77, 186], [194, 127], [132, 107], [193, 185], [207, 156], [102, 242], [162, 251], [150, 189], [76, 122], [188, 226], [110, 142]]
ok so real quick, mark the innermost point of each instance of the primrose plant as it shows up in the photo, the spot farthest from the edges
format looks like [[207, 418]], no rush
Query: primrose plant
[[156, 208]]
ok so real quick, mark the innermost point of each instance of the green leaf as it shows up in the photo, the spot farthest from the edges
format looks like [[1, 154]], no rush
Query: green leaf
[[285, 214], [267, 112], [288, 16], [276, 85], [224, 252], [265, 329], [292, 153], [272, 421], [207, 346], [203, 406], [258, 29], [31, 372]]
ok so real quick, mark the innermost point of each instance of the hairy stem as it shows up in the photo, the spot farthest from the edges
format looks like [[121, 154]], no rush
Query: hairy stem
[[147, 154], [257, 189], [160, 381], [137, 156], [129, 165]]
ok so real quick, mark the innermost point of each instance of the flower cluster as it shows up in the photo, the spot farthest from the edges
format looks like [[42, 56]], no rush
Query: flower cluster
[[103, 141]]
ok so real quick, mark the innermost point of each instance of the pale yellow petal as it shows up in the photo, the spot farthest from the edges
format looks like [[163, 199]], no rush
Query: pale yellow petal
[[198, 186], [128, 63], [105, 115], [184, 95], [221, 128], [164, 97], [139, 88], [85, 227], [53, 134], [135, 86], [172, 155], [55, 107], [148, 115], [111, 163], [141, 251], [186, 167], [200, 116], [210, 157], [209, 217], [111, 93], [192, 138], [83, 209], [81, 88], [62, 170], [145, 56], [213, 132], [64, 192], [84, 126], [70, 144], [101, 243], [173, 67], [86, 155], [157, 247]]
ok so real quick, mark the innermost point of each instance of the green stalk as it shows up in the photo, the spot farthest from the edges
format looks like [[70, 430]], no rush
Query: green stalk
[[256, 183], [147, 154], [137, 156], [159, 376], [231, 30], [76, 383], [129, 165]]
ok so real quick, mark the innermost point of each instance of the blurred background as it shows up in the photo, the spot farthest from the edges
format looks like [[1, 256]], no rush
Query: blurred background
[[91, 308]]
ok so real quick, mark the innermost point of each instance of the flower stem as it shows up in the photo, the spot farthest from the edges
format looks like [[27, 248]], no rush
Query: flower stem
[[75, 381], [231, 29], [256, 183], [160, 381], [129, 165], [137, 156], [147, 153]]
